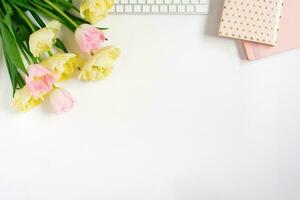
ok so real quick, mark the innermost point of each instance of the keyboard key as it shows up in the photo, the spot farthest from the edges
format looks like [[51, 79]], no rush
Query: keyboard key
[[155, 8], [177, 1], [181, 9], [124, 1], [146, 8], [133, 1], [128, 8], [204, 1], [119, 8], [163, 8], [185, 1], [195, 1], [190, 8], [137, 8], [168, 1], [172, 9], [201, 9], [159, 1], [142, 1]]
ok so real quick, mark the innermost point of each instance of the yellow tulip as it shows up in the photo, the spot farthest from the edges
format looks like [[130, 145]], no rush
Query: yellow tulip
[[95, 10], [42, 40], [54, 25], [99, 66], [63, 65], [24, 101]]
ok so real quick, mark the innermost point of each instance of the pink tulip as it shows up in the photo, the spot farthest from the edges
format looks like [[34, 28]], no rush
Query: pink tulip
[[39, 80], [61, 100], [89, 38]]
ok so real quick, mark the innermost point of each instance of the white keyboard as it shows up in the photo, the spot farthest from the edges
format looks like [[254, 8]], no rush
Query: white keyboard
[[161, 7]]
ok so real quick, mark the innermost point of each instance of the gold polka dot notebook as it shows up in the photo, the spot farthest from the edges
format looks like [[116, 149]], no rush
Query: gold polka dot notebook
[[251, 20]]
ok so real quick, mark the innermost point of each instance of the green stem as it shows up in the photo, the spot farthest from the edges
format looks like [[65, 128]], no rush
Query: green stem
[[61, 45], [25, 18], [37, 19], [50, 53], [46, 12], [4, 4], [25, 55], [1, 15], [61, 12], [76, 9], [28, 53], [78, 20]]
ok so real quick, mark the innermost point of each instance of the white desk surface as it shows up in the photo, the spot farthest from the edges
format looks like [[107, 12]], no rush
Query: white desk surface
[[183, 117]]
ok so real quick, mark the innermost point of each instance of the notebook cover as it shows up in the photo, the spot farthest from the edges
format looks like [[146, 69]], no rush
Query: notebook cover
[[288, 37], [251, 20]]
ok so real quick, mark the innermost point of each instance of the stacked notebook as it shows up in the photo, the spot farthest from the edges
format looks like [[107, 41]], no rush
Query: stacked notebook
[[266, 27]]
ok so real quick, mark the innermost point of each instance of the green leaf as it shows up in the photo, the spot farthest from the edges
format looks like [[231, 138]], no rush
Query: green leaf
[[24, 4], [11, 48], [12, 57], [63, 4], [21, 31]]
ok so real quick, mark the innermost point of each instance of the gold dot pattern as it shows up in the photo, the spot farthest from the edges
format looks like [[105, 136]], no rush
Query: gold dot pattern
[[252, 20]]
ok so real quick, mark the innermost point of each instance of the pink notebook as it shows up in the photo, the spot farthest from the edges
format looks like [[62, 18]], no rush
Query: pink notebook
[[288, 36]]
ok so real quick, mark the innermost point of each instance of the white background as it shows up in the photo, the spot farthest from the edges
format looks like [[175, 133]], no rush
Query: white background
[[183, 117]]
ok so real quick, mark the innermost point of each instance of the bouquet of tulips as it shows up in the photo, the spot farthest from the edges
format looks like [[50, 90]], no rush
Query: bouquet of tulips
[[38, 60]]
